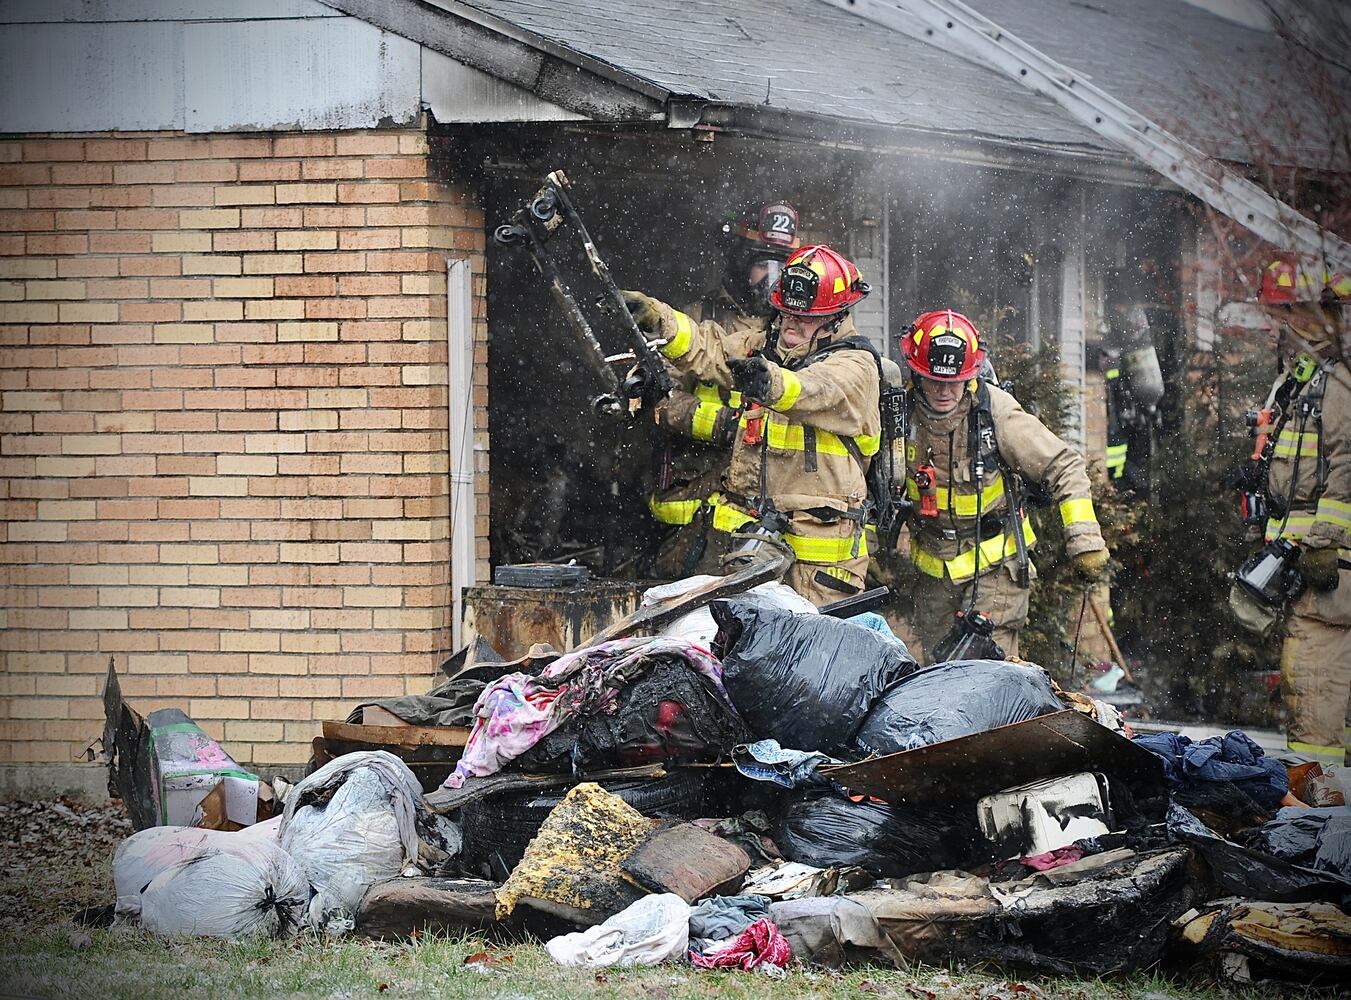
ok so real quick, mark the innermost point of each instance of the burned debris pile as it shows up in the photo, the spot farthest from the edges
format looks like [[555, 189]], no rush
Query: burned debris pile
[[756, 784]]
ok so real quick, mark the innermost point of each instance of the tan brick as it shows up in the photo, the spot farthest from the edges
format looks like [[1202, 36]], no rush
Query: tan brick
[[275, 663], [261, 444], [274, 263], [30, 401], [251, 642], [66, 510], [190, 597], [367, 193], [213, 310], [103, 619], [269, 170], [36, 290], [219, 708], [193, 554], [181, 242], [309, 642], [328, 263], [312, 193], [308, 420], [30, 312], [30, 267], [91, 444], [218, 576], [291, 332], [209, 218], [246, 465], [88, 312], [263, 732], [247, 194], [309, 552], [214, 264], [372, 597], [131, 597], [273, 309], [235, 148], [308, 240], [304, 145], [251, 288], [183, 333], [218, 486]]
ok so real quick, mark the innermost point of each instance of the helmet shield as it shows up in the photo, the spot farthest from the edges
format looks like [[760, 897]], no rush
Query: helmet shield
[[797, 288], [947, 355]]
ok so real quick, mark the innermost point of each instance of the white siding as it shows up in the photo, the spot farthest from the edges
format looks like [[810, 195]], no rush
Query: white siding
[[229, 65]]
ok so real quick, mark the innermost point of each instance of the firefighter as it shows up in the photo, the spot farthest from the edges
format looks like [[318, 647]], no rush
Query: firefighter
[[700, 418], [1308, 493], [811, 421], [969, 449]]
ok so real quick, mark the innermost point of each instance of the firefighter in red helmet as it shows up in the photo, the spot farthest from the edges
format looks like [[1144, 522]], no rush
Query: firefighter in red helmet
[[810, 423], [970, 448], [701, 416], [1302, 474]]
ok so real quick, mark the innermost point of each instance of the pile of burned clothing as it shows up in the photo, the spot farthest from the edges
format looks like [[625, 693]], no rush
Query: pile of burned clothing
[[764, 783]]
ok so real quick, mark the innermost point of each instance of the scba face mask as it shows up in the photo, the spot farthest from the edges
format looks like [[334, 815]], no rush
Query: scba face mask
[[757, 293]]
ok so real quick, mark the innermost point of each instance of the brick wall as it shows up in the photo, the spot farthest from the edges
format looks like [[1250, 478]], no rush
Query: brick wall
[[223, 447]]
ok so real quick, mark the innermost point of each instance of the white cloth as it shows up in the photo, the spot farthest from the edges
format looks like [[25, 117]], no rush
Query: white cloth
[[699, 627], [653, 930]]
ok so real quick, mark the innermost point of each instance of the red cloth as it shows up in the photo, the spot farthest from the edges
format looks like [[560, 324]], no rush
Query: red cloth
[[1054, 859], [759, 944]]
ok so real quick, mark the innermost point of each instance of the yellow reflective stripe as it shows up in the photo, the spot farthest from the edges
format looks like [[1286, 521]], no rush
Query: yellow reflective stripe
[[805, 547], [708, 392], [727, 518], [965, 503], [1296, 527], [1291, 450], [734, 399], [826, 550], [705, 421], [792, 389], [869, 444], [1111, 373], [1334, 512], [674, 511], [1116, 460], [787, 436], [679, 345], [1327, 755], [963, 567], [1077, 511]]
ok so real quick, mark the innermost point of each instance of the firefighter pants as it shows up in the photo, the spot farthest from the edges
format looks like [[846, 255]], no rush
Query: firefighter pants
[[826, 583], [998, 595], [691, 549], [1316, 672]]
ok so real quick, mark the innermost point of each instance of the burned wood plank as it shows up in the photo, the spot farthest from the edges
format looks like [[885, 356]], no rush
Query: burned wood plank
[[401, 907], [689, 861]]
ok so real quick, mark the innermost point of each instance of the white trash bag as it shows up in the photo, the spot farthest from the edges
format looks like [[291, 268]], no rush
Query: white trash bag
[[362, 835], [255, 890], [653, 930], [184, 880]]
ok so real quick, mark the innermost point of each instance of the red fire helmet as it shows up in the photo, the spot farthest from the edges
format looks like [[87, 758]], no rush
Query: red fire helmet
[[943, 345], [1288, 281], [817, 281]]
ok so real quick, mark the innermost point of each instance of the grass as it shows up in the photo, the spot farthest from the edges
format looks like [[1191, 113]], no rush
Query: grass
[[42, 953]]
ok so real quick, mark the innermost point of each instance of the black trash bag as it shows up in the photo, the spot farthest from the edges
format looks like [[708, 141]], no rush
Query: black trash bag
[[670, 713], [955, 699], [1316, 838], [825, 830], [804, 680], [1241, 871]]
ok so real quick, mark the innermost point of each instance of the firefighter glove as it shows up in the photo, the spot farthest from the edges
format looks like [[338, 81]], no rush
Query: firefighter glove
[[752, 376], [646, 311], [1319, 568], [1091, 565]]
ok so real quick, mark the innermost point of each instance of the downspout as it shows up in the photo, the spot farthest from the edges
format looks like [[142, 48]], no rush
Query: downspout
[[460, 399]]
